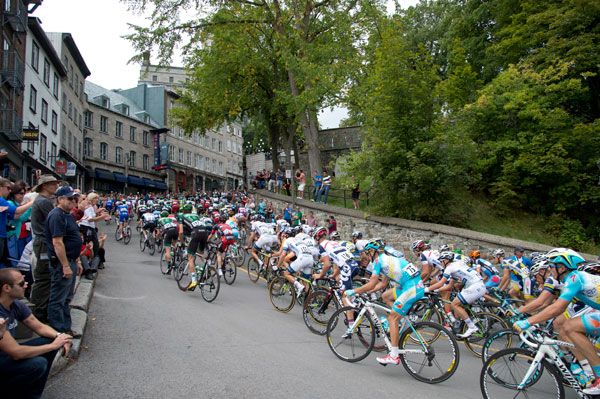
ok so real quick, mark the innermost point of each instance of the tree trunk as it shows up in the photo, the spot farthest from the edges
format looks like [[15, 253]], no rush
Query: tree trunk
[[274, 143], [296, 152]]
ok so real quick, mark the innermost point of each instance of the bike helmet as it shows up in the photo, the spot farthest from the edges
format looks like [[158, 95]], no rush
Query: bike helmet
[[566, 257], [474, 254], [357, 234], [142, 209], [349, 246], [498, 253], [187, 208], [164, 214], [537, 257], [222, 218], [446, 255], [334, 235], [539, 266], [306, 229], [319, 233], [444, 248], [296, 230], [419, 245], [590, 267], [373, 244]]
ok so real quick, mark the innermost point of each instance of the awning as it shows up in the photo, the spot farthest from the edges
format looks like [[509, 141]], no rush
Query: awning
[[136, 181], [120, 177], [104, 175], [150, 183], [160, 185]]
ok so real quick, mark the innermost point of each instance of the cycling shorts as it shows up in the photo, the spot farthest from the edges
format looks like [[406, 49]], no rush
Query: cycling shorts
[[198, 240], [404, 298], [149, 226], [470, 294], [591, 323], [303, 264], [169, 236], [225, 243], [123, 217], [266, 242]]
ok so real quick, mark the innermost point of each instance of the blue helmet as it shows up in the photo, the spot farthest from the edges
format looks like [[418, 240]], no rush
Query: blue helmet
[[566, 257]]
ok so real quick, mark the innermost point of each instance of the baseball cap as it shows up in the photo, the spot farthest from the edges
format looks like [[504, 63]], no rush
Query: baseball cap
[[65, 191]]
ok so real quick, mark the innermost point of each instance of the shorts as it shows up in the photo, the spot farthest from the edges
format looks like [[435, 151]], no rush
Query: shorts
[[302, 264], [591, 323], [266, 242], [198, 240], [470, 294], [169, 236], [123, 217], [149, 226], [301, 187], [576, 309], [225, 243], [406, 297]]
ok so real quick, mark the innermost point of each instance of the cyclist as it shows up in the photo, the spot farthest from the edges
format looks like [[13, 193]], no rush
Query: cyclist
[[296, 257], [140, 211], [473, 288], [344, 265], [123, 212], [579, 285], [170, 231], [265, 237], [148, 221], [490, 274], [197, 229], [428, 258], [227, 235], [407, 288]]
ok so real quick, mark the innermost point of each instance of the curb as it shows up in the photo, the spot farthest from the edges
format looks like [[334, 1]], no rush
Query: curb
[[84, 290]]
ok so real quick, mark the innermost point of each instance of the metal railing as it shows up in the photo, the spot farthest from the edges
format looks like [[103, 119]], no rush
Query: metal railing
[[11, 125], [335, 196], [13, 69], [15, 14]]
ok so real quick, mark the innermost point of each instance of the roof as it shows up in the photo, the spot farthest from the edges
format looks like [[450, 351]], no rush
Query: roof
[[95, 91], [37, 30]]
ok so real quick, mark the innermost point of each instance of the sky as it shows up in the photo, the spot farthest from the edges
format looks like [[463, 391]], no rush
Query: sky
[[98, 27]]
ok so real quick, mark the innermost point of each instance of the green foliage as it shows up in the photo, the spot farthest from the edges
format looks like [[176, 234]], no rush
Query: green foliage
[[567, 233]]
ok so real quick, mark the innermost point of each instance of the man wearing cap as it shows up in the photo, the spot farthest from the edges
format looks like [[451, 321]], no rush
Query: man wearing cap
[[64, 245], [43, 204]]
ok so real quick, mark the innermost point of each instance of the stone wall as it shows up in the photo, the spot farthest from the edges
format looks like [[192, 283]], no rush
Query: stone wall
[[400, 233]]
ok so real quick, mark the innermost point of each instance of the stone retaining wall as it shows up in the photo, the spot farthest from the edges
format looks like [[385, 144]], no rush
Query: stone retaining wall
[[400, 233]]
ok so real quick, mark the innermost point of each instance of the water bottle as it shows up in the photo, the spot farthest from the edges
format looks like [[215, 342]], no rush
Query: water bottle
[[579, 374], [385, 324]]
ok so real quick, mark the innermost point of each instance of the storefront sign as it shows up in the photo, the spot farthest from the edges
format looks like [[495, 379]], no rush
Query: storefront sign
[[61, 167], [156, 146], [71, 169], [30, 134]]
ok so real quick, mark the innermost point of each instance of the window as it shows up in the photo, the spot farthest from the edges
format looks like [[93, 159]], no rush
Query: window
[[54, 122], [125, 109], [43, 148], [146, 137], [88, 119], [76, 85], [71, 75], [75, 116], [119, 129], [170, 79], [69, 141], [33, 99], [154, 78], [44, 111], [88, 147], [78, 149], [180, 155], [146, 162], [214, 142], [189, 158], [220, 146], [105, 102], [221, 167], [53, 152], [35, 55], [214, 166], [132, 134], [201, 162], [81, 89], [64, 102], [46, 72], [70, 110], [229, 145], [63, 135], [103, 151], [119, 155], [171, 153], [103, 124], [132, 159]]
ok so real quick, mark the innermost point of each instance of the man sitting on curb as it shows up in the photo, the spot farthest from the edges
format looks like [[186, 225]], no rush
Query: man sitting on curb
[[24, 367]]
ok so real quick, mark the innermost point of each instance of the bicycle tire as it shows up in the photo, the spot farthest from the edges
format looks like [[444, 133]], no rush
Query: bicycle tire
[[495, 383], [164, 265], [127, 237], [117, 234], [488, 324], [151, 245], [315, 310], [253, 270], [238, 255], [364, 333], [282, 294], [142, 243], [229, 271], [491, 346], [209, 284], [182, 276]]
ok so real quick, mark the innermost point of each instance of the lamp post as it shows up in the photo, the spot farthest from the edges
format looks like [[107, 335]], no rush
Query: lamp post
[[126, 169]]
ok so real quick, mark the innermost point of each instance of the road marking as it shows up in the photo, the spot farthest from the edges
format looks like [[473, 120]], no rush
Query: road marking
[[136, 298]]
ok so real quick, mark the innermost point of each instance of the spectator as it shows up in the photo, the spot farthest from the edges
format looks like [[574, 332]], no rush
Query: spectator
[[42, 205], [311, 220], [24, 366], [518, 256], [287, 185], [18, 235], [64, 246], [356, 195], [318, 180], [7, 213], [271, 183], [301, 178], [297, 218], [88, 224], [270, 213], [287, 213], [326, 185], [332, 226], [280, 175]]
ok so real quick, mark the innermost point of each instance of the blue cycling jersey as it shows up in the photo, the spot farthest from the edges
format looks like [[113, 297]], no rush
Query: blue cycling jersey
[[123, 210], [582, 286], [400, 271]]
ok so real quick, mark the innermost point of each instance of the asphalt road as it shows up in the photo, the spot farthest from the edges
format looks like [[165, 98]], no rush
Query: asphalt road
[[147, 339]]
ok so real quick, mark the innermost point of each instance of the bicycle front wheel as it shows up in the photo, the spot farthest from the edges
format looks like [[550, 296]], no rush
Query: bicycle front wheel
[[210, 284], [488, 324], [229, 271], [502, 339], [350, 345], [318, 308], [237, 255], [282, 294], [505, 370], [425, 358], [253, 270]]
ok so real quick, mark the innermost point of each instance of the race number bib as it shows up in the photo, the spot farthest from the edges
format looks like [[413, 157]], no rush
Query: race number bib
[[411, 270], [196, 223], [170, 225]]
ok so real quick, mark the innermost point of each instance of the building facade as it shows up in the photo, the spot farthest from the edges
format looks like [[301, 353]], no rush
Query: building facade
[[171, 77], [118, 143], [44, 75]]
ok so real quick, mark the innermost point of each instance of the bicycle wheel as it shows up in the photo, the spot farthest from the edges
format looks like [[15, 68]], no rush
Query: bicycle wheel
[[429, 360], [164, 265], [127, 235], [505, 370], [282, 294], [237, 255], [151, 245], [488, 324], [253, 270], [159, 244], [142, 243], [117, 238], [502, 339], [229, 271], [182, 276], [209, 284], [423, 311], [350, 347], [317, 310]]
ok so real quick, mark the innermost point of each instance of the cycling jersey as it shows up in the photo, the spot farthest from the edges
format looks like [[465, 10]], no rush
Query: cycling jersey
[[342, 258], [582, 286], [298, 246], [167, 223], [234, 228], [459, 271], [148, 217], [190, 221], [123, 213], [262, 228], [430, 257]]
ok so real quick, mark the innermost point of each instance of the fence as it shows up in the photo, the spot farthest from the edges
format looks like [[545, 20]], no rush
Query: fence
[[336, 196]]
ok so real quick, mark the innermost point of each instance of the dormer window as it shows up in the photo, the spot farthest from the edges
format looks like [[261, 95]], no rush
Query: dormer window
[[105, 102]]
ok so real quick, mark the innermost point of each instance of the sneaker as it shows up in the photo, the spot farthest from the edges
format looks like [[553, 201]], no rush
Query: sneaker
[[300, 292], [348, 333], [388, 359], [192, 286], [594, 389], [470, 331]]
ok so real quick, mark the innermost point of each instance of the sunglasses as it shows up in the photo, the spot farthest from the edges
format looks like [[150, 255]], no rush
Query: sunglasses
[[21, 283]]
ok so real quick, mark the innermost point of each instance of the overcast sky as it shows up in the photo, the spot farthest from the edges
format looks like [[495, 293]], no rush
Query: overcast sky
[[97, 27]]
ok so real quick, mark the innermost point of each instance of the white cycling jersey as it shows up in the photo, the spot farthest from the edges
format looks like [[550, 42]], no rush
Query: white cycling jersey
[[262, 228], [430, 257], [462, 273], [360, 245], [148, 217], [336, 252]]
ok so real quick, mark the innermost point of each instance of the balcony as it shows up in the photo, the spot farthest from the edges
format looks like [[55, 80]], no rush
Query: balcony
[[13, 69], [11, 125], [16, 16]]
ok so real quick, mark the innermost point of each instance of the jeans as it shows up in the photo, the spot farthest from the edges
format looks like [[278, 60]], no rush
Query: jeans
[[26, 378], [61, 293], [325, 192], [40, 291], [317, 193]]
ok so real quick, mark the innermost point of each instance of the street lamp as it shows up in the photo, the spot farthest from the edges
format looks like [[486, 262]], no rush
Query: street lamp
[[126, 169]]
